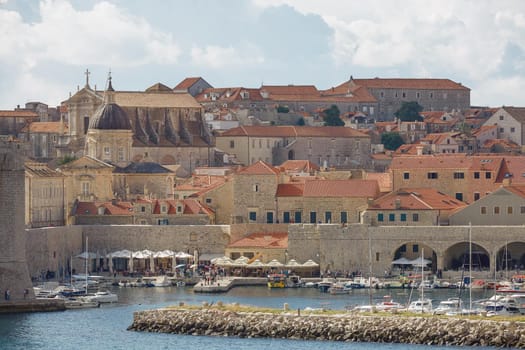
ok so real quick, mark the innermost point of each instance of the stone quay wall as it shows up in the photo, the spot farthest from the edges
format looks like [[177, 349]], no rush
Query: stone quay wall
[[344, 327]]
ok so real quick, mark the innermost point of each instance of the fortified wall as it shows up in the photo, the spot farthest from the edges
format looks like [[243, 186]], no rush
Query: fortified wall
[[14, 274], [52, 248], [349, 248]]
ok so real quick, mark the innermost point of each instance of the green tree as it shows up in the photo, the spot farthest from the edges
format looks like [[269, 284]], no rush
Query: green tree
[[66, 159], [391, 140], [409, 112], [331, 117]]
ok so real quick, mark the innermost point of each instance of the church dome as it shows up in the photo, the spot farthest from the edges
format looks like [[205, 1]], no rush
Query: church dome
[[110, 117]]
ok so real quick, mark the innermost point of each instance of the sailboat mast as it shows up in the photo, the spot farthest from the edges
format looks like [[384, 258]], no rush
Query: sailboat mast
[[87, 261], [470, 265], [370, 267], [422, 275]]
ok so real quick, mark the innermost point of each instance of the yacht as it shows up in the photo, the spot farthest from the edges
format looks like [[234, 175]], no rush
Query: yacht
[[449, 306], [420, 306]]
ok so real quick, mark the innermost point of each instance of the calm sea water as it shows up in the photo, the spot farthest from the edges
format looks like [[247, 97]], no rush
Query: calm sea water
[[105, 327]]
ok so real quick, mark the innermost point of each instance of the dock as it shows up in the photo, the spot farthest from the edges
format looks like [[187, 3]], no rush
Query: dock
[[224, 284], [34, 305]]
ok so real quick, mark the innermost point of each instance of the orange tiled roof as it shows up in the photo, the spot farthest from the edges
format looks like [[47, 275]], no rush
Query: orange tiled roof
[[18, 114], [403, 83], [200, 182], [438, 138], [299, 166], [186, 83], [277, 240], [417, 199], [384, 180], [483, 128], [47, 127], [330, 188], [355, 93], [504, 143], [293, 131], [259, 168], [91, 208], [518, 190]]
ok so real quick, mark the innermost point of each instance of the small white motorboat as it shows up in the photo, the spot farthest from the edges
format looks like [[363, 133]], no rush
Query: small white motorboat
[[103, 297]]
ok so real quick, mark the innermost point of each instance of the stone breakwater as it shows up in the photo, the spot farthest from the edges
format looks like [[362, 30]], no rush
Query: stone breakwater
[[344, 327]]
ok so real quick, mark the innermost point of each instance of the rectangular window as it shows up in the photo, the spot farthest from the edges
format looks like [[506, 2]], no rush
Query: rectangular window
[[403, 217], [313, 217], [488, 175], [380, 217], [483, 210], [406, 176], [502, 130], [476, 175], [459, 175], [232, 144], [208, 200], [298, 217], [415, 248], [391, 217], [476, 196], [344, 217], [432, 175], [459, 196], [253, 216], [500, 117], [286, 217], [256, 188], [328, 217], [269, 217], [120, 154], [522, 210], [415, 217], [496, 210], [106, 150], [377, 256], [512, 129], [509, 210], [163, 221]]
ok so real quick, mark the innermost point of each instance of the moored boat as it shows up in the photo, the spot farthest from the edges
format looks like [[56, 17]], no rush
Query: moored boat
[[103, 297], [276, 280]]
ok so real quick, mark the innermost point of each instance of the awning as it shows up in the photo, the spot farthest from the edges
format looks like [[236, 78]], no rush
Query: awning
[[209, 257]]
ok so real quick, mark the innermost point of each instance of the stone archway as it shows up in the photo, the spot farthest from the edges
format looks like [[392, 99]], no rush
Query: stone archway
[[511, 258], [457, 257], [413, 251]]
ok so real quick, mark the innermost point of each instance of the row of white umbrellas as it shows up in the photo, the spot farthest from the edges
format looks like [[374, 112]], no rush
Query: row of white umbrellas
[[245, 262], [139, 254]]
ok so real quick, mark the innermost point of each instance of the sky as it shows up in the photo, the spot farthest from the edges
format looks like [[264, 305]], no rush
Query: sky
[[46, 46]]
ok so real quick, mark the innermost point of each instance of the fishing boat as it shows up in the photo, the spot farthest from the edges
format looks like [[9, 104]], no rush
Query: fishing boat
[[276, 280], [338, 288]]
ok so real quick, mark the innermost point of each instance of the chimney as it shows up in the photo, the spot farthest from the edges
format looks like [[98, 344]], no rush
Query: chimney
[[397, 203], [419, 150]]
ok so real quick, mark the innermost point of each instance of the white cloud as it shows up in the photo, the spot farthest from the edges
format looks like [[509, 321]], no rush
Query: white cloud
[[216, 56]]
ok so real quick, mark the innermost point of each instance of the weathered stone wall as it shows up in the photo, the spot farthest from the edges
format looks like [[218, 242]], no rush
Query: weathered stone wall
[[13, 267], [343, 327], [348, 248], [254, 193]]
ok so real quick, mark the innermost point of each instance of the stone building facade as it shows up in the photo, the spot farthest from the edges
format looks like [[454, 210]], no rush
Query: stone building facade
[[325, 146], [44, 196], [431, 94], [510, 123]]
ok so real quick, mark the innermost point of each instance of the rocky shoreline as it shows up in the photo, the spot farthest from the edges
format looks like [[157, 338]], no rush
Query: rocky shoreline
[[348, 327]]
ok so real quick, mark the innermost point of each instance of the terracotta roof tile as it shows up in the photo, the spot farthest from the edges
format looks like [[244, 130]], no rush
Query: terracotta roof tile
[[186, 83], [18, 114], [290, 190], [305, 166], [416, 199], [47, 127], [278, 240], [259, 168], [402, 83]]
